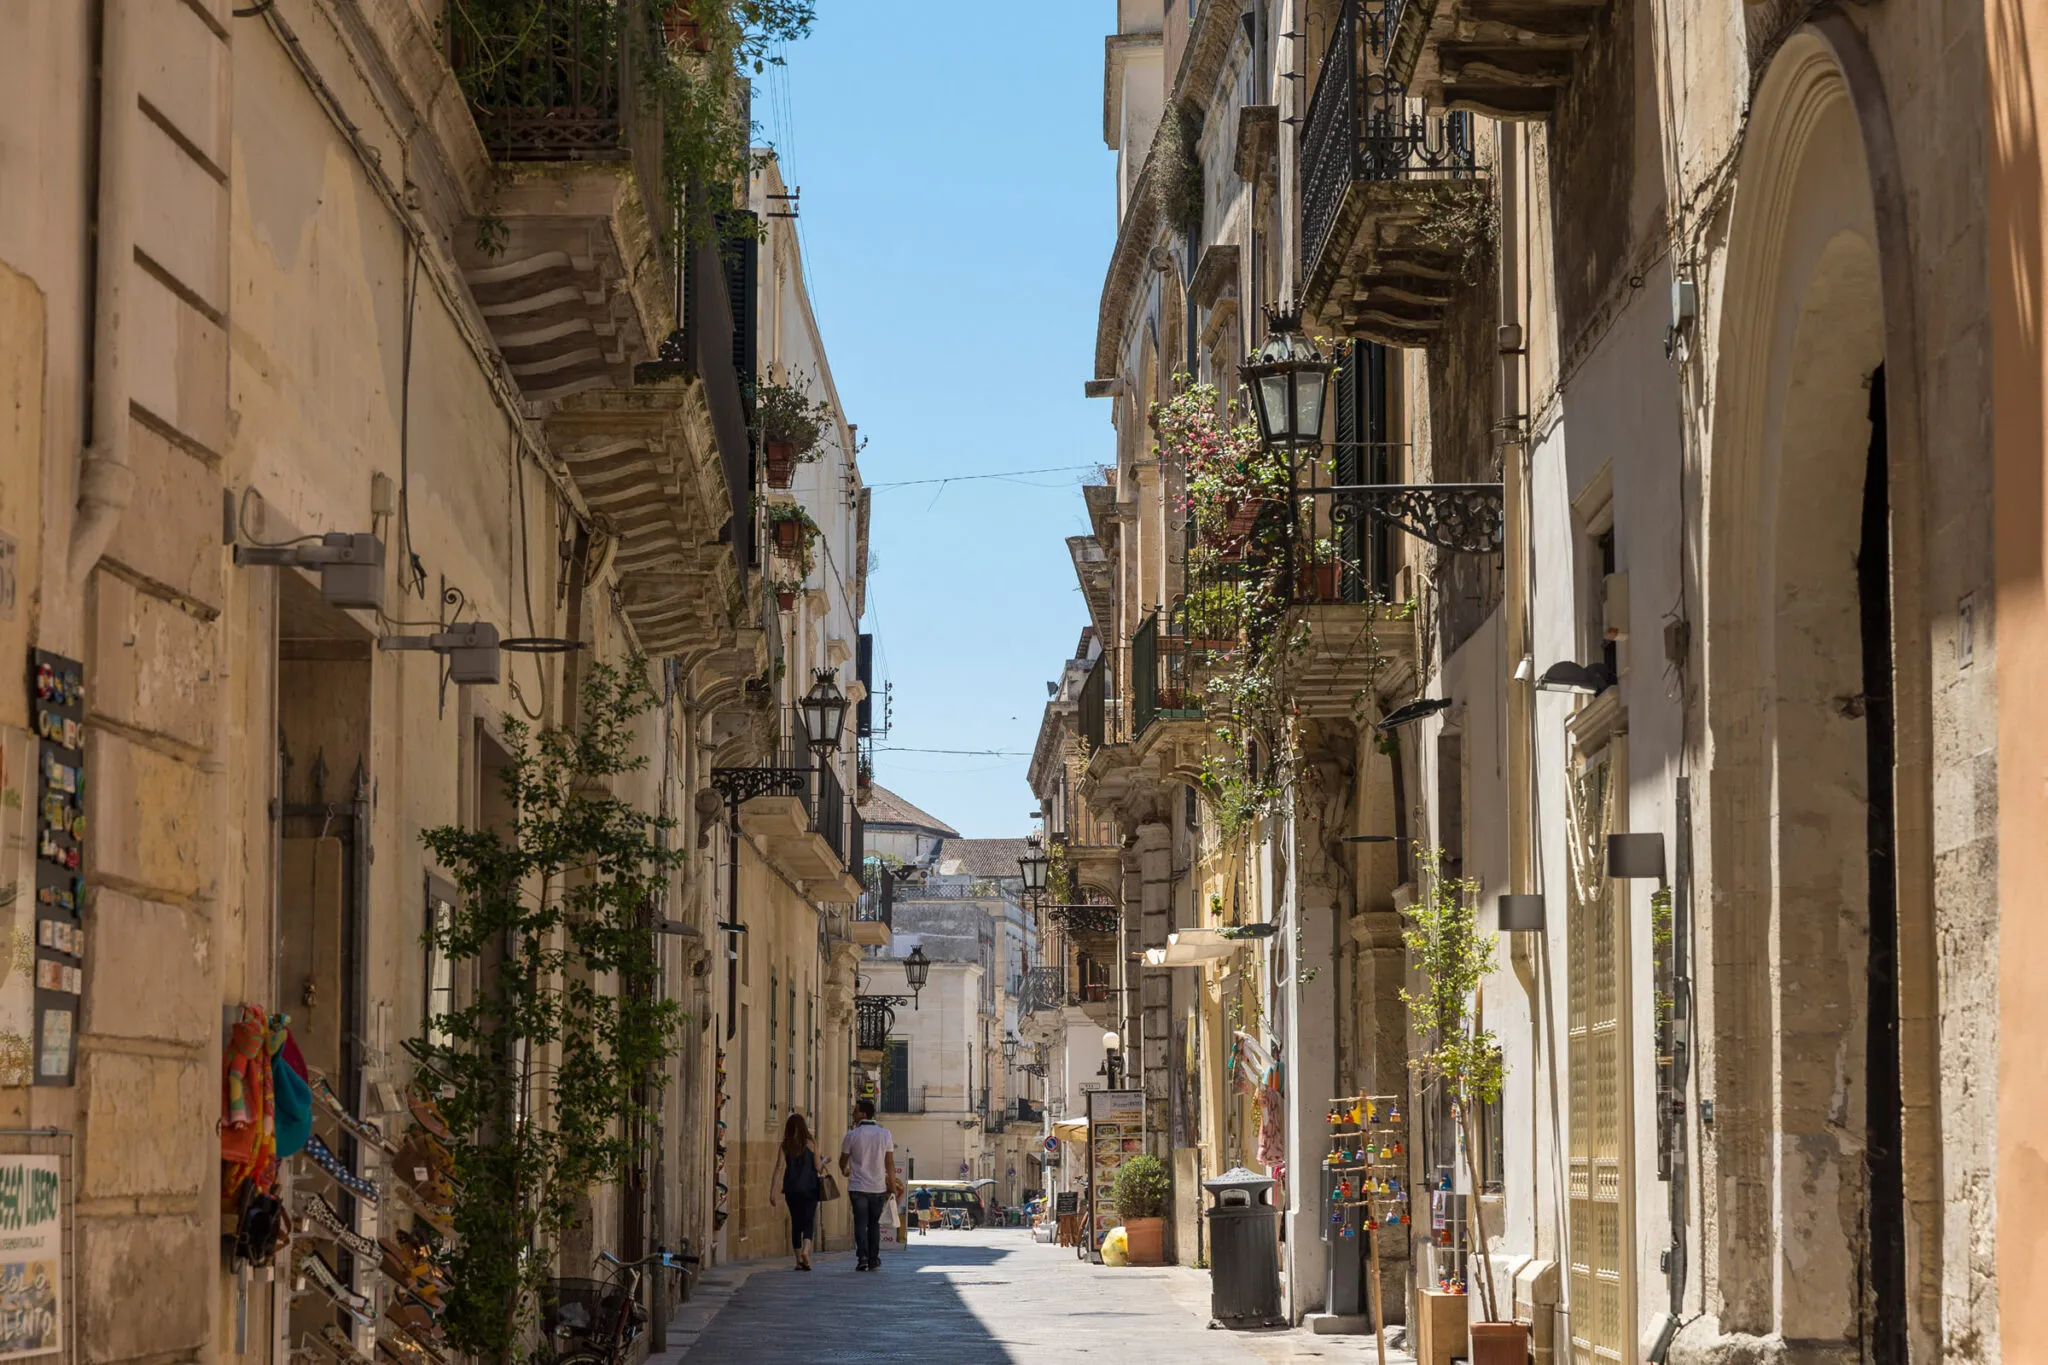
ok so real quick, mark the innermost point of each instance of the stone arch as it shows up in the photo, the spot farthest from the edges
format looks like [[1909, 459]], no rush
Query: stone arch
[[1817, 297]]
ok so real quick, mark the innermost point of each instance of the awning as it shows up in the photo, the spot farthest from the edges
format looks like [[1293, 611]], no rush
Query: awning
[[1067, 1130], [1193, 947]]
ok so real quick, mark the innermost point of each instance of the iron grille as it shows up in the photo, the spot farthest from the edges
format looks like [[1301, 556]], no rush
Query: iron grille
[[551, 81], [1045, 988], [873, 1017], [1362, 126]]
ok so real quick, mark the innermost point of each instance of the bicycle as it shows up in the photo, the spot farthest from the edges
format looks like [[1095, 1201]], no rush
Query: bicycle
[[592, 1322]]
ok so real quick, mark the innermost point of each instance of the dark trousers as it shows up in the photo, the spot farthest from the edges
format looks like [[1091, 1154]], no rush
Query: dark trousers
[[867, 1224], [803, 1218]]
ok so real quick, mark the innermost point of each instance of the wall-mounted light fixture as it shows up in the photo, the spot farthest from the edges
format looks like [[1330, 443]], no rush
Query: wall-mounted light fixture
[[351, 566], [1422, 708], [471, 650], [1522, 912], [1585, 680], [1635, 857]]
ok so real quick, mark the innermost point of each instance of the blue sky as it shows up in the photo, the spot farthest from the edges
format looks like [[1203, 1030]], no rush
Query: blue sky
[[958, 213]]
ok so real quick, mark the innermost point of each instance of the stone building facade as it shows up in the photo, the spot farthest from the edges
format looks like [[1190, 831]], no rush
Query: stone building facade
[[1708, 303], [274, 274]]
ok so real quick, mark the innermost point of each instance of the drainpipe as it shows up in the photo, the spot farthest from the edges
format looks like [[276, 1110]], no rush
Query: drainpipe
[[106, 481]]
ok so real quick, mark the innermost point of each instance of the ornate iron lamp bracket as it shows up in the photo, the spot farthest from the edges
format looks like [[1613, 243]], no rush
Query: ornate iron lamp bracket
[[741, 785], [1464, 518]]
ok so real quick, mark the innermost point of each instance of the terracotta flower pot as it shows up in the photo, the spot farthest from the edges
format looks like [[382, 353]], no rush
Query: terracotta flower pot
[[1318, 582], [1147, 1240], [788, 536], [781, 463], [786, 601], [1500, 1343], [681, 29]]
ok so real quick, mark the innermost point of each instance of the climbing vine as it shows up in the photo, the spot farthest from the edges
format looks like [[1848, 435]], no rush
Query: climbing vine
[[547, 1077]]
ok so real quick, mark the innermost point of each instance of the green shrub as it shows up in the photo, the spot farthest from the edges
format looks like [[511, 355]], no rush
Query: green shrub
[[1141, 1188]]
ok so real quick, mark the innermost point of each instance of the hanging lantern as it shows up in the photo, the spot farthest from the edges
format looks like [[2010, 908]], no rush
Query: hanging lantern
[[1288, 379]]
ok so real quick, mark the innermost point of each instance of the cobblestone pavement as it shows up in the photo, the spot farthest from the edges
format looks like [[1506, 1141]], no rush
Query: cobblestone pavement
[[975, 1298]]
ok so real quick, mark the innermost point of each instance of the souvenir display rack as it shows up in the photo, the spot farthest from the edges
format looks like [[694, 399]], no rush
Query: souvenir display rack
[[1367, 1163], [56, 688], [1447, 1243], [386, 1283]]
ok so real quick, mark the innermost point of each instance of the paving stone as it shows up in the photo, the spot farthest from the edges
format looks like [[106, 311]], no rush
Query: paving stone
[[967, 1298]]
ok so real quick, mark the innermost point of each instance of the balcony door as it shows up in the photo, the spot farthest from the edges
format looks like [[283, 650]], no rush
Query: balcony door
[[1596, 1059]]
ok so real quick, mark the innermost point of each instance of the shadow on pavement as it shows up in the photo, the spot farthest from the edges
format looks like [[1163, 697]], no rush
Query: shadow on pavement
[[905, 1311]]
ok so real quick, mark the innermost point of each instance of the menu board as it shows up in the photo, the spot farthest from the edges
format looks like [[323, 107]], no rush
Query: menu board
[[1116, 1133]]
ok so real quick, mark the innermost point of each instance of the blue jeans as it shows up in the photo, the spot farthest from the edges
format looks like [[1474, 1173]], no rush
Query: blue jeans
[[867, 1224]]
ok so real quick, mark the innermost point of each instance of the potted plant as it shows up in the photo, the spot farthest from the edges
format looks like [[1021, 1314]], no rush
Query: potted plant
[[793, 533], [786, 590], [789, 425], [1318, 571], [1451, 955], [1140, 1192], [1231, 477]]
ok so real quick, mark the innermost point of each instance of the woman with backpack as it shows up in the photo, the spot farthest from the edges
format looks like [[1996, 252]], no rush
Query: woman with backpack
[[796, 1178]]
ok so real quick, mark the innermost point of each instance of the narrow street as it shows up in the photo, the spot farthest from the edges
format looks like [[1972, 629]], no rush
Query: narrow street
[[975, 1298]]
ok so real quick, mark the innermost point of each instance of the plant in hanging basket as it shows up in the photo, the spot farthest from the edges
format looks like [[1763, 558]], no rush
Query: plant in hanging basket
[[786, 590]]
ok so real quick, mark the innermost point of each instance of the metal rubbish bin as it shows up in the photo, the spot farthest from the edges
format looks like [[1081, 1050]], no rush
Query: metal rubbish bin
[[1244, 1256]]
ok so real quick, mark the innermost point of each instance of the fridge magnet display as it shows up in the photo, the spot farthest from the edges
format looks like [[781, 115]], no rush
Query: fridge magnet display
[[56, 687]]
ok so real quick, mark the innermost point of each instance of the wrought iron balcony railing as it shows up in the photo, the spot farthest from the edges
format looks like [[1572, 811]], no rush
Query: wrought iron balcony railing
[[1045, 988], [552, 80], [873, 1017], [797, 772], [1363, 126], [1105, 711]]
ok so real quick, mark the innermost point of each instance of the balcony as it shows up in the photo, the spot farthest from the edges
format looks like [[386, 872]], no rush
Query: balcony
[[801, 816], [1391, 210], [873, 1017], [1044, 988], [1506, 59], [567, 265]]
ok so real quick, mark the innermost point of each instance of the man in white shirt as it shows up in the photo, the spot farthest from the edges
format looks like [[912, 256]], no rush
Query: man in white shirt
[[867, 1158]]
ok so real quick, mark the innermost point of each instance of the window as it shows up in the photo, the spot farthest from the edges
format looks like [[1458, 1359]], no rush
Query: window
[[896, 1077], [774, 1034], [440, 975], [789, 1082]]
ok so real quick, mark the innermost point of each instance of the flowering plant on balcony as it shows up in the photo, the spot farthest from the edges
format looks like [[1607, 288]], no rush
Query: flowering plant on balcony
[[1230, 475]]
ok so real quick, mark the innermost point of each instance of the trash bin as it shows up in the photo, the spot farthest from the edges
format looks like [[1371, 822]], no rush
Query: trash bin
[[1244, 1256]]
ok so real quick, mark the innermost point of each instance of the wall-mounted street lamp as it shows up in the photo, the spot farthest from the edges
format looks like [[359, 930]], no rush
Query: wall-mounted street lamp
[[1010, 1046], [1034, 865], [824, 708], [1584, 680], [1288, 379], [1112, 1059], [471, 650], [1422, 708], [917, 969], [351, 566]]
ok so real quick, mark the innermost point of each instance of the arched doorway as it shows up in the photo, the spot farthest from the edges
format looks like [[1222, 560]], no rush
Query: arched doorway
[[1802, 1062]]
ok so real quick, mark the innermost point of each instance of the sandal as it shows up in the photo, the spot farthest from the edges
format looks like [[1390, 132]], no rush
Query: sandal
[[322, 1221], [362, 1128], [327, 1161], [314, 1267], [434, 1218]]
